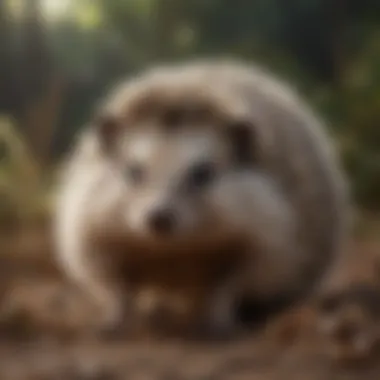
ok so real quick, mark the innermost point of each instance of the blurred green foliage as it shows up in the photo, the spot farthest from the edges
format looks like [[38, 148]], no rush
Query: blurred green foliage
[[20, 195], [330, 49]]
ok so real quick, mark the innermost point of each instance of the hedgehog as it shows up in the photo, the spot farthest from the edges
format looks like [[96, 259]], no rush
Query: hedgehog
[[209, 179]]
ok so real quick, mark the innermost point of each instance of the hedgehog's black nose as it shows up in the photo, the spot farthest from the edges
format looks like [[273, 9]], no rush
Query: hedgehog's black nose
[[162, 221]]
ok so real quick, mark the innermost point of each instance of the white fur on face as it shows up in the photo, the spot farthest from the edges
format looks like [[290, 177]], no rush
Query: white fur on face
[[143, 147], [166, 160], [174, 153]]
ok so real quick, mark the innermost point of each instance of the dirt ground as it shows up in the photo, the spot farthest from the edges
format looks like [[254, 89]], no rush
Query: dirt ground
[[44, 332]]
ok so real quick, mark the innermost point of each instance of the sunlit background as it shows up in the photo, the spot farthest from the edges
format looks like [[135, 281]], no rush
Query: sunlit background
[[69, 52]]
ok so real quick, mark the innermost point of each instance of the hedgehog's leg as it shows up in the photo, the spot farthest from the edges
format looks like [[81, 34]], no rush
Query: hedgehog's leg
[[219, 319], [114, 302], [88, 270], [222, 316]]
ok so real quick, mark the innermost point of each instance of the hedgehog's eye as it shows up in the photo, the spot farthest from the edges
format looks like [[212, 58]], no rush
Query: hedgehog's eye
[[201, 175], [172, 118], [107, 127], [134, 173], [241, 139]]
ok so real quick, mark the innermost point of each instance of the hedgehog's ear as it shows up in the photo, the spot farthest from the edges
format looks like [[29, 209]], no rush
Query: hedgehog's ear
[[240, 134], [107, 128]]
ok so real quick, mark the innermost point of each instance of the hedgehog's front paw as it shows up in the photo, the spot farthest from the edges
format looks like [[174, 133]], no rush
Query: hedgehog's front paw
[[114, 326], [214, 330], [110, 331], [220, 322]]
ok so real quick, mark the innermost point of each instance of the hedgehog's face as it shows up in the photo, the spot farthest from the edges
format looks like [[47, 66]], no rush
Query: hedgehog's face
[[169, 176]]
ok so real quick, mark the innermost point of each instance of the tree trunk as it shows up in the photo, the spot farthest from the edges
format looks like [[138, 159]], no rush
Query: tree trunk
[[43, 88]]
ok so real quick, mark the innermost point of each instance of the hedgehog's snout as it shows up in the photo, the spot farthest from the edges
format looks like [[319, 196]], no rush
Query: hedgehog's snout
[[162, 221]]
